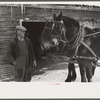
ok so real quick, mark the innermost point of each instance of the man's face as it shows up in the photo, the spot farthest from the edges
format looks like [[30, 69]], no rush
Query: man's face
[[20, 33]]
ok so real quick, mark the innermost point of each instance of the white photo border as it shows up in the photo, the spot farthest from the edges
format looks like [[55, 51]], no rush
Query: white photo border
[[41, 90]]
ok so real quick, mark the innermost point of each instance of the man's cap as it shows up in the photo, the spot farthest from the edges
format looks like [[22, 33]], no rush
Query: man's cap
[[22, 28]]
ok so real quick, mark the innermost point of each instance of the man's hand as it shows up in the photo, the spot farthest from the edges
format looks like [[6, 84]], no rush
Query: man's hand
[[34, 63]]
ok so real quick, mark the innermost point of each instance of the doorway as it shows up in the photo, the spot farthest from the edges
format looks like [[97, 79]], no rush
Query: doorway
[[34, 31]]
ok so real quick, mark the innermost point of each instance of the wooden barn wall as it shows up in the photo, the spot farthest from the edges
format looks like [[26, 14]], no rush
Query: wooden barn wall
[[82, 14], [37, 14], [9, 18], [7, 31], [40, 14]]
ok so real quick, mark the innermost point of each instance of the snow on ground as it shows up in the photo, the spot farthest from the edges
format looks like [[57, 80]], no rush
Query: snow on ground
[[59, 75]]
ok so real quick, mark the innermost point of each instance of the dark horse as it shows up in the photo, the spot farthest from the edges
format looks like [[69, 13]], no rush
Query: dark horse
[[75, 41]]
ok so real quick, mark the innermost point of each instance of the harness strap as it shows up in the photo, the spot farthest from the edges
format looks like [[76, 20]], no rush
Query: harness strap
[[95, 58], [92, 34], [89, 48], [78, 38], [86, 58], [76, 51]]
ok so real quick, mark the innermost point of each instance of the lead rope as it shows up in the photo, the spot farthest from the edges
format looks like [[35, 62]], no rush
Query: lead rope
[[78, 38], [78, 44]]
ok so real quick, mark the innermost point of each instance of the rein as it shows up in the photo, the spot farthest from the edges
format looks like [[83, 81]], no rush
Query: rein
[[93, 34], [78, 38]]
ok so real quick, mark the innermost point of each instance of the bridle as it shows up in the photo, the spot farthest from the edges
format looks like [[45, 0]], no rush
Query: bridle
[[52, 28], [58, 34]]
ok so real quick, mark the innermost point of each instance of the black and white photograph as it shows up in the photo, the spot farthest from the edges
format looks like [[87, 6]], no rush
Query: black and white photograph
[[56, 43], [49, 42]]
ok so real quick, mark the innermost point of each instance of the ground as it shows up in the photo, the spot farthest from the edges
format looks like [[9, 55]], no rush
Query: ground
[[51, 68], [58, 71]]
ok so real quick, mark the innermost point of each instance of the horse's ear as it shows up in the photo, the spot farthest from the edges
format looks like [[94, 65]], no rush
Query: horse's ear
[[54, 16]]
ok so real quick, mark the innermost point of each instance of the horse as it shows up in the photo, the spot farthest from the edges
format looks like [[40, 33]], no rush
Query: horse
[[78, 42]]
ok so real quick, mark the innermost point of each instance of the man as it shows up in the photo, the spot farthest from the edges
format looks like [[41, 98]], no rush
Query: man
[[21, 55]]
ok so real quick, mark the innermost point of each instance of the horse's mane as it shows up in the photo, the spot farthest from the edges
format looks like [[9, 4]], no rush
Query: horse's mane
[[72, 26]]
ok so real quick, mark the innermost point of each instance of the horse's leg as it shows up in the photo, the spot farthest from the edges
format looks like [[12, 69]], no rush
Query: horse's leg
[[69, 74], [70, 71], [93, 68], [82, 72], [73, 73], [89, 70]]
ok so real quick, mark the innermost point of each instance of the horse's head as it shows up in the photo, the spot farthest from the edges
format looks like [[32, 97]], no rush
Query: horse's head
[[60, 30], [52, 34]]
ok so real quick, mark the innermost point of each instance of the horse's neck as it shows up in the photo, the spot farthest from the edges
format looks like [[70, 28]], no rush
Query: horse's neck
[[70, 29], [72, 25]]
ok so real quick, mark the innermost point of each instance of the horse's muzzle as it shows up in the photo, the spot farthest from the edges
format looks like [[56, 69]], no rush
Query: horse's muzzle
[[45, 46]]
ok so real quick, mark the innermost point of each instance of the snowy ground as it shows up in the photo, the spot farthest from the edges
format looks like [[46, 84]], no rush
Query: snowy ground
[[59, 74]]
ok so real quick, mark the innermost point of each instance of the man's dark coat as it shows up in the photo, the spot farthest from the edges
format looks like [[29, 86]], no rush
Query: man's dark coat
[[13, 51]]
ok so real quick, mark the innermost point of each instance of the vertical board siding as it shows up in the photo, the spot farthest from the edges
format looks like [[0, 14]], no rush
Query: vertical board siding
[[16, 12], [7, 31]]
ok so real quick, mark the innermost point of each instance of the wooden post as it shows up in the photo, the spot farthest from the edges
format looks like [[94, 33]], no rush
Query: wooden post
[[11, 12], [22, 10], [52, 11]]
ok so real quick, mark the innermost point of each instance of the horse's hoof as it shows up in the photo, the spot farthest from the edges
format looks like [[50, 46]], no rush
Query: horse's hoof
[[73, 78], [68, 80]]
